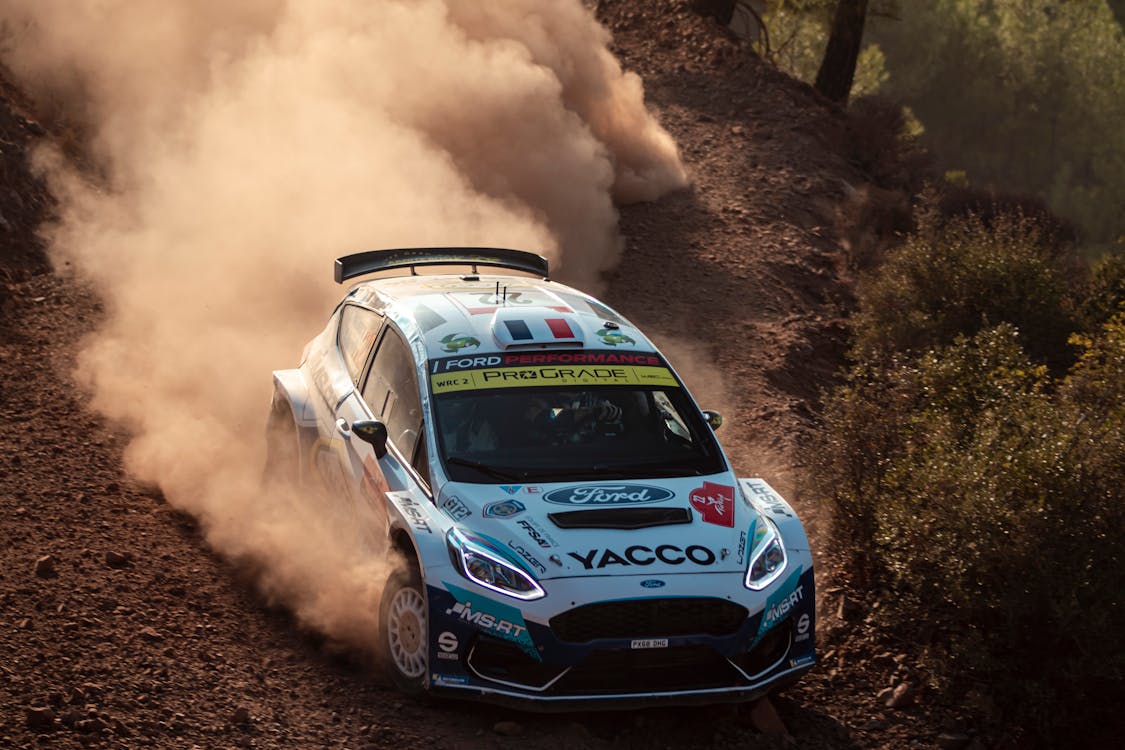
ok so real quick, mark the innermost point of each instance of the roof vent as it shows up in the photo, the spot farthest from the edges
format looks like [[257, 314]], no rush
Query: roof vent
[[530, 327]]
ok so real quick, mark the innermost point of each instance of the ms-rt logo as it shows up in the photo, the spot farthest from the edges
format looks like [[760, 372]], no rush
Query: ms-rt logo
[[485, 620]]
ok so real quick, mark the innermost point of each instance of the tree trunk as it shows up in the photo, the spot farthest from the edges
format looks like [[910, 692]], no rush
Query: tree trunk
[[837, 70]]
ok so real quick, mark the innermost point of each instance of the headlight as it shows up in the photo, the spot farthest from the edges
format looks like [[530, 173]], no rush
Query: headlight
[[485, 567], [767, 555]]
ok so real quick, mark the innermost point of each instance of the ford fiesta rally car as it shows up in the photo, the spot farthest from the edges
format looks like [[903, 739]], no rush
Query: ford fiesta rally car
[[570, 531]]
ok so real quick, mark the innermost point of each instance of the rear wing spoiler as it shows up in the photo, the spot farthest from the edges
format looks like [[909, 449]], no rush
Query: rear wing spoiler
[[372, 261]]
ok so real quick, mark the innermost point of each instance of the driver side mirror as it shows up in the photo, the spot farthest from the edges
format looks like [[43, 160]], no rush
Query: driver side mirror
[[714, 418], [374, 432]]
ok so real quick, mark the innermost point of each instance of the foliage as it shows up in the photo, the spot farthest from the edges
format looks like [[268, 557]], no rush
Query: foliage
[[1023, 95], [798, 35], [960, 276], [982, 491], [1105, 291]]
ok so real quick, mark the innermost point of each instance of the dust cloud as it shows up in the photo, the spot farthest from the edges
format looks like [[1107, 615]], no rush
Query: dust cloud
[[233, 150]]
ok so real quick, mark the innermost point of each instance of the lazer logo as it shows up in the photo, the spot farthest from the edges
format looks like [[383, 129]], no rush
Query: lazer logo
[[669, 554], [528, 556], [617, 494], [486, 621]]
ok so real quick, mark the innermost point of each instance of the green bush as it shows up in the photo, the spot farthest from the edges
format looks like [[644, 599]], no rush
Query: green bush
[[1105, 291], [962, 275], [987, 497]]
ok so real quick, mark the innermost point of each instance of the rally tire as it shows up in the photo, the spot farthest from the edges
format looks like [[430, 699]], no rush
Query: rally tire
[[404, 630]]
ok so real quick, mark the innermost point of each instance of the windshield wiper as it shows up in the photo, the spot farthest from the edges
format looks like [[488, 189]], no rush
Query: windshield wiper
[[492, 471]]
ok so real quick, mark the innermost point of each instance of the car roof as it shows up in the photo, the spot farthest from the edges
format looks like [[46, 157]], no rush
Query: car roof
[[466, 315]]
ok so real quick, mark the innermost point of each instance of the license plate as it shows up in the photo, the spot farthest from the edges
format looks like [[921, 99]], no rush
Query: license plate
[[650, 643]]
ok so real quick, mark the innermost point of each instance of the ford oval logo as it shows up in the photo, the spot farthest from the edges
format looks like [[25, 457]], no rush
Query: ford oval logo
[[608, 494], [652, 583]]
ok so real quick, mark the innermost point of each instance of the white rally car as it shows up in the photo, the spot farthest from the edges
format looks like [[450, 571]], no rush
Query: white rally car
[[567, 529]]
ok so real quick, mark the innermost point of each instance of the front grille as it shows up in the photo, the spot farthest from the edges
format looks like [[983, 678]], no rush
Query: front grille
[[649, 618], [649, 670]]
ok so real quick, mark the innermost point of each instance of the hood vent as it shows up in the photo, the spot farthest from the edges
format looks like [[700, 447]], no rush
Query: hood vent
[[620, 518]]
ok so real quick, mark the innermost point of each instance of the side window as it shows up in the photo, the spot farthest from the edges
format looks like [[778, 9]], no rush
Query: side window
[[358, 329], [391, 391]]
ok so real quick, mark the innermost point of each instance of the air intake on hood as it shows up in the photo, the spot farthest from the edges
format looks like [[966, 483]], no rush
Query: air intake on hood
[[620, 518]]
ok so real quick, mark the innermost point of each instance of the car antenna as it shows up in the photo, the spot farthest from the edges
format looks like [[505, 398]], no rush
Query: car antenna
[[497, 295], [505, 301]]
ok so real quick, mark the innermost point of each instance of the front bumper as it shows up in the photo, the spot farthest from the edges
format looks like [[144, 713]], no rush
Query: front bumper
[[620, 653]]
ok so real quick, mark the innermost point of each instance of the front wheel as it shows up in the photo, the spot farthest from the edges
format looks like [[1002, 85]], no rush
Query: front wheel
[[404, 631]]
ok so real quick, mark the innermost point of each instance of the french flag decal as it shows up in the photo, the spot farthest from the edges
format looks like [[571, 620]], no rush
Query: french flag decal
[[560, 329], [519, 330]]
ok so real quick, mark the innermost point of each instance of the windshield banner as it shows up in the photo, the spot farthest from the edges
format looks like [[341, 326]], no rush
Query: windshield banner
[[547, 369]]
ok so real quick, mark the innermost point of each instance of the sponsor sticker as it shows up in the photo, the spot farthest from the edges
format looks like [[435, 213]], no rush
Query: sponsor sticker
[[522, 377], [649, 643], [767, 497], [803, 628], [413, 512], [447, 643], [780, 603], [522, 359], [511, 489], [669, 554], [455, 509], [526, 555], [608, 494], [449, 679], [614, 337], [504, 508], [492, 617], [455, 342], [537, 534], [715, 502]]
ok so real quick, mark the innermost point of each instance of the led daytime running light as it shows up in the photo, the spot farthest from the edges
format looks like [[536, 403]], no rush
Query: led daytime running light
[[768, 560], [475, 562]]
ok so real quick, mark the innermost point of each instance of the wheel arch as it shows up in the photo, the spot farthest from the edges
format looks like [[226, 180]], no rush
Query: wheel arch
[[291, 390]]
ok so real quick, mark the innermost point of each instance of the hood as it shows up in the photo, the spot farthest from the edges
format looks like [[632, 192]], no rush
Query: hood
[[661, 526]]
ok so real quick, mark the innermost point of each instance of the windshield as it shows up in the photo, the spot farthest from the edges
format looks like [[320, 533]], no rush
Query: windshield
[[556, 434]]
